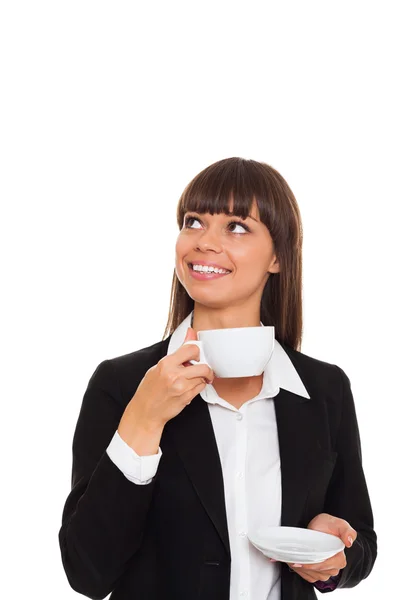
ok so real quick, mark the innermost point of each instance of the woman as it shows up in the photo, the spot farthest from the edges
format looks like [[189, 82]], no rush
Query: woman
[[172, 465]]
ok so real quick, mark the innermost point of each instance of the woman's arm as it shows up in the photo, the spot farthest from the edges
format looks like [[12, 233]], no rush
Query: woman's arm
[[104, 515], [347, 495]]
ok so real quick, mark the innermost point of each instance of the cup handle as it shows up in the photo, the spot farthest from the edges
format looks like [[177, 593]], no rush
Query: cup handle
[[199, 345]]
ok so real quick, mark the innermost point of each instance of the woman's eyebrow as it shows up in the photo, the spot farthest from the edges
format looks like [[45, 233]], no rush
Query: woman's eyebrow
[[248, 217]]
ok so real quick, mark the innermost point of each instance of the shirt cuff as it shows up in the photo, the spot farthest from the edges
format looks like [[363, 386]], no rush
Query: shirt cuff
[[138, 469], [329, 585]]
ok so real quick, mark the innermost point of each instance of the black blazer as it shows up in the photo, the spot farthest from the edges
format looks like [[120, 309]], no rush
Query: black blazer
[[168, 540]]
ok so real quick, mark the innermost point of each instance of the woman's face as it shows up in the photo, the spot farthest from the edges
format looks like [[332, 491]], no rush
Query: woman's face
[[244, 247]]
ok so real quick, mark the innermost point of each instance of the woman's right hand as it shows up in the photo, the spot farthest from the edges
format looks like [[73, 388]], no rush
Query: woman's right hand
[[167, 388]]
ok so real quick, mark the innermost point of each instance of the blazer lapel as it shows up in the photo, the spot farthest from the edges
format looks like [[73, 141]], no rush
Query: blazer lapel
[[300, 451], [193, 436]]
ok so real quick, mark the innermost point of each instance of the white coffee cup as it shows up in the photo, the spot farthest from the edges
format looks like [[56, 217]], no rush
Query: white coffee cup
[[236, 351]]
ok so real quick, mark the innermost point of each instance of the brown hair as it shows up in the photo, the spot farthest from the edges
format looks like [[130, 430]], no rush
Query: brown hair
[[211, 191]]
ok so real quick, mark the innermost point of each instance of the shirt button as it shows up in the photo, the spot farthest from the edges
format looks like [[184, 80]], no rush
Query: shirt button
[[240, 474], [239, 416], [242, 534], [243, 594]]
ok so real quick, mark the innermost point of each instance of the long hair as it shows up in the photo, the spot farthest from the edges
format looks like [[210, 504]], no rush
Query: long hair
[[211, 191]]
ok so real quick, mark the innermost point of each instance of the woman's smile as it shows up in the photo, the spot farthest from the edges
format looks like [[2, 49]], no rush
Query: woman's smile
[[202, 275]]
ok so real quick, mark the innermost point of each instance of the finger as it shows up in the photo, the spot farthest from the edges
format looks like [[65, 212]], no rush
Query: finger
[[331, 571], [316, 566], [346, 533], [330, 563], [313, 575], [336, 562], [310, 579], [349, 537], [196, 382], [191, 334], [308, 576], [191, 394], [339, 560], [202, 370], [317, 575], [336, 526], [322, 567], [185, 352]]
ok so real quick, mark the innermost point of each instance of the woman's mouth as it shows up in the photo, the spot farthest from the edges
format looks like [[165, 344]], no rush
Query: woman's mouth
[[202, 275]]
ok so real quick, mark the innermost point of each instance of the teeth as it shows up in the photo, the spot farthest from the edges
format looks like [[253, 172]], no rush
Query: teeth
[[205, 269]]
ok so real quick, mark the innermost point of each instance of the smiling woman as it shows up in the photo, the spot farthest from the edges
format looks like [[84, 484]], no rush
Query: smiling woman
[[175, 469], [240, 215]]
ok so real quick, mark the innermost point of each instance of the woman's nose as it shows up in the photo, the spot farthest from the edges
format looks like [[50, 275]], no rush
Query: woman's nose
[[209, 239]]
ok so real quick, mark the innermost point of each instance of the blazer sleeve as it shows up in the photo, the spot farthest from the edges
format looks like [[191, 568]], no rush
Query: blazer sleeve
[[104, 514], [347, 495]]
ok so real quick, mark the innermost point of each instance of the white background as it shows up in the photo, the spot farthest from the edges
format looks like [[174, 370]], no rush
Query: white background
[[108, 109]]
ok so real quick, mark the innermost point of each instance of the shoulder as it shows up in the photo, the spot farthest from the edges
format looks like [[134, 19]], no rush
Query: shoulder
[[149, 355], [129, 369], [314, 371]]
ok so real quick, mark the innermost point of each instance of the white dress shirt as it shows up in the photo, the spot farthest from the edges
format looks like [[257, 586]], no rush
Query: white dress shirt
[[247, 440]]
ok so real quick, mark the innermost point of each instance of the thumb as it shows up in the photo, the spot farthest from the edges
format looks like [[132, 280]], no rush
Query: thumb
[[346, 533], [335, 526], [191, 334], [348, 536]]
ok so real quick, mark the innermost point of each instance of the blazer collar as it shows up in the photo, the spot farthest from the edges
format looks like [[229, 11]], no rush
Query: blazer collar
[[279, 372]]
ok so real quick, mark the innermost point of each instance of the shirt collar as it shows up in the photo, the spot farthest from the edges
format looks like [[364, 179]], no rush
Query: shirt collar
[[279, 372]]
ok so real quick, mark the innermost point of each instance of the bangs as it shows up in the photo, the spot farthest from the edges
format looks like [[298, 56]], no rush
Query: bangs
[[230, 180]]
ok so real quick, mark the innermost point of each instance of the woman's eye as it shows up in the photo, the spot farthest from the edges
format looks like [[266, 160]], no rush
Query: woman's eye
[[236, 224], [188, 221]]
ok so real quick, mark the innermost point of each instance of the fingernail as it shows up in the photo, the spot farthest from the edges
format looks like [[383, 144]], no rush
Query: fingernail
[[272, 560], [296, 565], [350, 540]]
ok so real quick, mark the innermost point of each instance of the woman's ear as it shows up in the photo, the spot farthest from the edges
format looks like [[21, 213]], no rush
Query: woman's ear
[[274, 267]]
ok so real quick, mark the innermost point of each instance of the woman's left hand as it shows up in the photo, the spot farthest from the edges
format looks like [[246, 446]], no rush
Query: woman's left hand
[[324, 570]]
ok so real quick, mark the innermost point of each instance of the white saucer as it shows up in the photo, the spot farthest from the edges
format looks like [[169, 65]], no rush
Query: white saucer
[[296, 544]]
